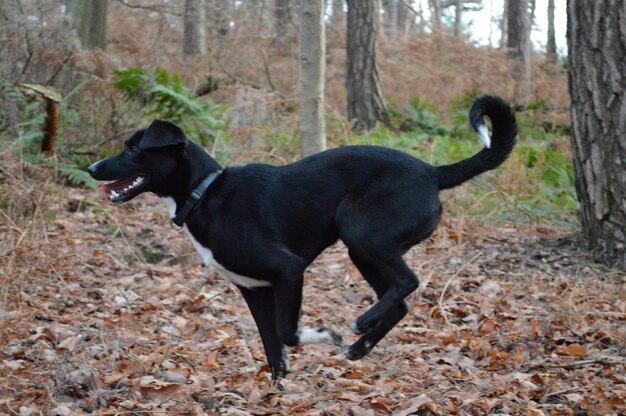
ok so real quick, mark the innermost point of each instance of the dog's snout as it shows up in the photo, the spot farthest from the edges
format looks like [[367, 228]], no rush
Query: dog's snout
[[92, 169]]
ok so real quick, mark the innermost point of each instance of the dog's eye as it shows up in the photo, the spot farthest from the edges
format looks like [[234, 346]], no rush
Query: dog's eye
[[132, 148]]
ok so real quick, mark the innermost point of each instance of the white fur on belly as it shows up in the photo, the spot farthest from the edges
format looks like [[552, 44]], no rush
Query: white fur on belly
[[209, 260]]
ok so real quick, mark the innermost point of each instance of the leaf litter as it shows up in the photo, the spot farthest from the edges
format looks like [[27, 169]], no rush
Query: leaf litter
[[106, 310]]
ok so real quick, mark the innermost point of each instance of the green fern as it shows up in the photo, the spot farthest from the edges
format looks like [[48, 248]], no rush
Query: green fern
[[78, 177], [163, 95]]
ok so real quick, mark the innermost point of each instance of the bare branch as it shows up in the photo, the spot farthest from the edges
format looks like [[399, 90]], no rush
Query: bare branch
[[151, 7]]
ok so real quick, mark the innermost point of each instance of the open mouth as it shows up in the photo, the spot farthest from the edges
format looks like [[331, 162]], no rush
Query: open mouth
[[124, 189]]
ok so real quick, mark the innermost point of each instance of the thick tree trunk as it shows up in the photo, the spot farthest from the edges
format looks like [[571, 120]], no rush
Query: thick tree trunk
[[366, 105], [458, 18], [90, 21], [597, 83], [194, 36], [551, 43], [312, 69], [518, 42]]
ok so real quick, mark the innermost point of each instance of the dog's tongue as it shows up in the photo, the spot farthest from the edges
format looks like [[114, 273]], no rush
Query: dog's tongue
[[117, 185]]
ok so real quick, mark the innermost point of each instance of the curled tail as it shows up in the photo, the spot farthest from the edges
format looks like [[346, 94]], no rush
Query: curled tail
[[497, 147]]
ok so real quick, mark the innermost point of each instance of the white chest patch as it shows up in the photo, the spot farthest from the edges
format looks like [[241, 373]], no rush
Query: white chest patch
[[209, 260]]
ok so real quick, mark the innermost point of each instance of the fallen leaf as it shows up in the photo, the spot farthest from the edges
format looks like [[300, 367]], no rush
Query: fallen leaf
[[419, 403], [574, 350]]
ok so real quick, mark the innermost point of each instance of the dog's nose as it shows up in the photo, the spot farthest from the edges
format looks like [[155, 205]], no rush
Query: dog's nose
[[92, 169]]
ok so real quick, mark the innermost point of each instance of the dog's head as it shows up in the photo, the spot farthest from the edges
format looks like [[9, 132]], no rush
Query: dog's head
[[149, 161]]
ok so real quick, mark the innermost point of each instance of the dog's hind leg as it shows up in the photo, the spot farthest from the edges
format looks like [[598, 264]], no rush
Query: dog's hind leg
[[403, 282], [378, 227], [263, 308], [368, 341], [370, 273]]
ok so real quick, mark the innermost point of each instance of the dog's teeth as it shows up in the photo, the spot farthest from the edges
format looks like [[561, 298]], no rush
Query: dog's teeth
[[114, 194]]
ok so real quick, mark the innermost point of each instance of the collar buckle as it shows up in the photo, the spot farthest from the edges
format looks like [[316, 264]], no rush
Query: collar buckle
[[196, 195]]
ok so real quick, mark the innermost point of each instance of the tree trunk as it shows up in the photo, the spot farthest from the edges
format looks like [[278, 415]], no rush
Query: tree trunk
[[458, 16], [90, 21], [366, 105], [391, 18], [597, 63], [551, 43], [504, 25], [338, 18], [194, 27], [519, 42], [281, 14], [312, 69], [435, 6], [402, 21]]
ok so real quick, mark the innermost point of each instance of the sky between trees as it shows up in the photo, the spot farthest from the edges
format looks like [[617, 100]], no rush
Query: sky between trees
[[480, 27]]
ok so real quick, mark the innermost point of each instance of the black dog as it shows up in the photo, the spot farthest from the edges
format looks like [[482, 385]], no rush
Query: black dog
[[261, 225]]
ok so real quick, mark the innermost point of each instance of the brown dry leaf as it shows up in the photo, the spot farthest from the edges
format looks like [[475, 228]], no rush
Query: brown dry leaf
[[380, 405], [534, 328], [419, 403], [352, 374], [574, 350], [68, 344], [113, 378], [14, 365], [158, 389], [212, 359], [350, 397]]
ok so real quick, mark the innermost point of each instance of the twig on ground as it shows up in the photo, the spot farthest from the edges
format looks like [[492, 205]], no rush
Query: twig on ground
[[556, 393], [445, 288], [571, 364], [268, 76]]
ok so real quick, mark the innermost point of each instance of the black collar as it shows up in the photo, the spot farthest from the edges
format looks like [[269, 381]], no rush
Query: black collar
[[195, 197]]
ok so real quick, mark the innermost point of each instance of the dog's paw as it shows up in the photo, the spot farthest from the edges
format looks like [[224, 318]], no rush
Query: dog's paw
[[364, 324], [359, 349], [356, 329], [319, 335]]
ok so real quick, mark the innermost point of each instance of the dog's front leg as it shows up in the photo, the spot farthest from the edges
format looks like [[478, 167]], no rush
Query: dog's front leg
[[263, 308], [288, 296]]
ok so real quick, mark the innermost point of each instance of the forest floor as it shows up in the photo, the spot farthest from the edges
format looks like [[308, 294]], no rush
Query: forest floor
[[106, 310]]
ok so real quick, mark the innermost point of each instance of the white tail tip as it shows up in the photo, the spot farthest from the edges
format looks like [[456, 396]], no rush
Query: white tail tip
[[483, 133]]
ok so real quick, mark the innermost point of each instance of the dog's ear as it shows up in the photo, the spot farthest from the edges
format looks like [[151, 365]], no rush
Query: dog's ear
[[162, 133]]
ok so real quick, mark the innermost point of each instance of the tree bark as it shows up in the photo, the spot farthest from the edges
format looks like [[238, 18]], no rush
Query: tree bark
[[551, 43], [518, 42], [435, 6], [338, 18], [402, 21], [90, 21], [391, 18], [281, 13], [597, 67], [504, 25], [194, 28], [312, 69], [458, 16], [366, 105]]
